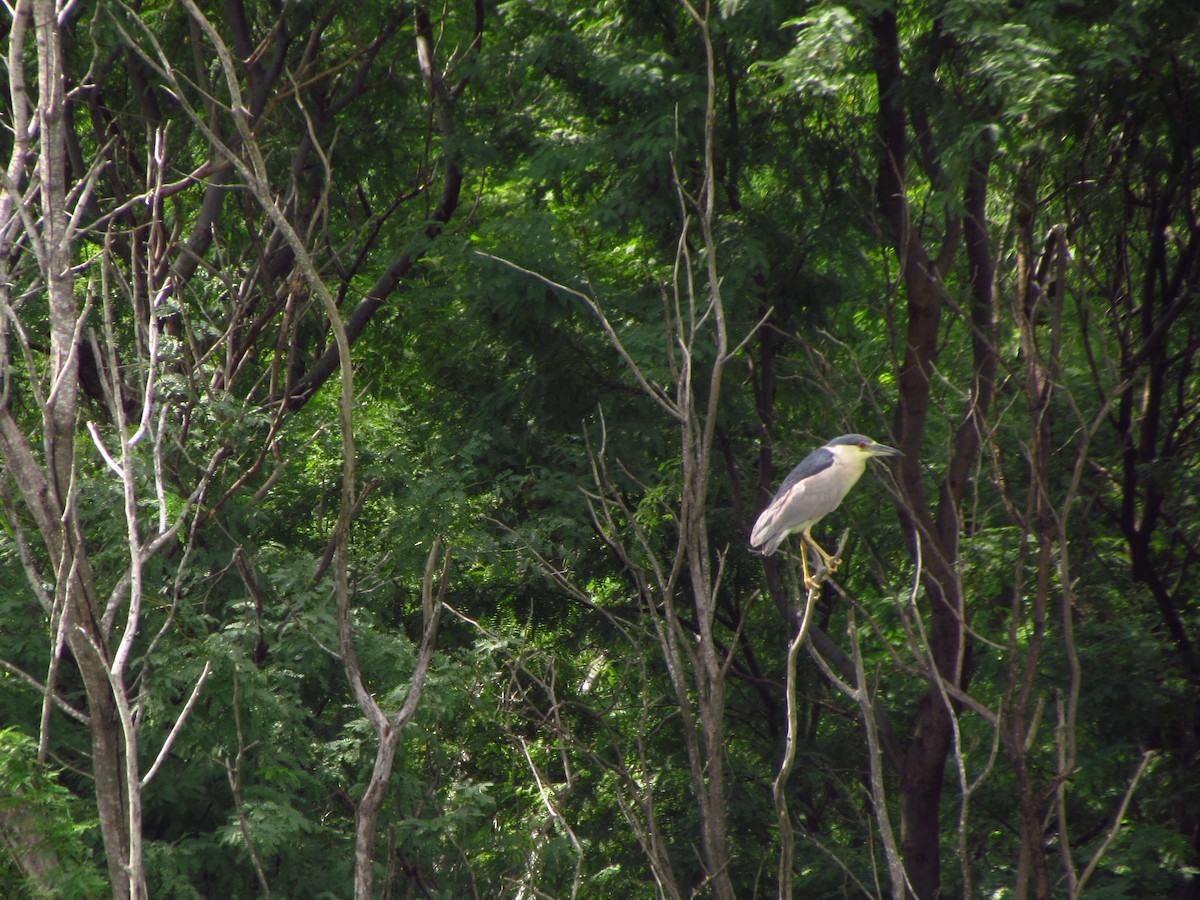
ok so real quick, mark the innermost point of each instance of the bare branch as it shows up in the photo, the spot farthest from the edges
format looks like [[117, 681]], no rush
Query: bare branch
[[1115, 829], [41, 689], [178, 726], [778, 787], [654, 392]]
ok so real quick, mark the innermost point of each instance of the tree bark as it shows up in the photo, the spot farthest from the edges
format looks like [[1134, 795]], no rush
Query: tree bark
[[49, 493], [922, 274]]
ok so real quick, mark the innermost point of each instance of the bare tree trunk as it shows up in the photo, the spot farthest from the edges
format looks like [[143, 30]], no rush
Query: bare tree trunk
[[698, 428], [49, 494], [388, 729], [41, 214], [696, 664], [21, 835], [1032, 307], [925, 759], [938, 525]]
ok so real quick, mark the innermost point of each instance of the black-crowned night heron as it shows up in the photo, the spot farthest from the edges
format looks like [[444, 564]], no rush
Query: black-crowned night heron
[[813, 490]]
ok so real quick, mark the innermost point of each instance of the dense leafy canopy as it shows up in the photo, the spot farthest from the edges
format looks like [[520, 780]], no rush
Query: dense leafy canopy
[[475, 614]]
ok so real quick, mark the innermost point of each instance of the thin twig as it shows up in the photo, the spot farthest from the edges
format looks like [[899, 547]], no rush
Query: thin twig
[[655, 393], [1147, 756], [779, 786]]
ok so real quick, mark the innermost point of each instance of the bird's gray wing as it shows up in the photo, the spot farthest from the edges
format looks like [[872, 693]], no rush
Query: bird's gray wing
[[817, 461], [781, 517]]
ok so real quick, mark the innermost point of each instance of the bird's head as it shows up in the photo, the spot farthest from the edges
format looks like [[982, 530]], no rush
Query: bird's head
[[860, 447]]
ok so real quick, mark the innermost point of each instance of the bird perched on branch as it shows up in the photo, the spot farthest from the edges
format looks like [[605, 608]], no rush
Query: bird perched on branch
[[811, 491]]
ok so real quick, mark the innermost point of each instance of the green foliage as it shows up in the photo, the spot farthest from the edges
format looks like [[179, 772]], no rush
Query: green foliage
[[817, 65], [42, 817], [486, 398]]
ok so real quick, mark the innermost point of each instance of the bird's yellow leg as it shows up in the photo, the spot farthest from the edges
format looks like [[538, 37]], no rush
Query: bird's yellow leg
[[830, 563], [809, 581], [805, 542]]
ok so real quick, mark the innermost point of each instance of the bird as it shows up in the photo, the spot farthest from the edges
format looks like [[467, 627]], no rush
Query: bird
[[812, 490]]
